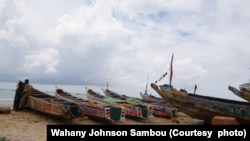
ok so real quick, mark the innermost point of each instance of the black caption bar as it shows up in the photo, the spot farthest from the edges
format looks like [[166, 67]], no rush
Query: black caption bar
[[84, 132]]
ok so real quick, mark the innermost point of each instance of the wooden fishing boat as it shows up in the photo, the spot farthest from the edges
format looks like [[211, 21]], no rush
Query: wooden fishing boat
[[131, 100], [242, 93], [149, 97], [93, 109], [203, 107], [152, 98], [132, 110], [157, 108], [51, 105]]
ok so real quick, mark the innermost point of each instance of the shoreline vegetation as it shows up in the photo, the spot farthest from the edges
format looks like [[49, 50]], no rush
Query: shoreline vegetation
[[32, 125]]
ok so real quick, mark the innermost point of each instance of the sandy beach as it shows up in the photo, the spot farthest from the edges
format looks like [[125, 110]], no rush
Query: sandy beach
[[29, 125]]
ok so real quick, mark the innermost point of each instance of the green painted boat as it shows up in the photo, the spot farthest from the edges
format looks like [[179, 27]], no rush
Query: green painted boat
[[139, 111], [93, 109], [162, 109]]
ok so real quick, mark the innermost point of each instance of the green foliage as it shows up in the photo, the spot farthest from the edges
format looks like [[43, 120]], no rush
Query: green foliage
[[3, 139]]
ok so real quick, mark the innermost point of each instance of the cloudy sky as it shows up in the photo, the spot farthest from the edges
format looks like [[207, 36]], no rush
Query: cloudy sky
[[92, 42]]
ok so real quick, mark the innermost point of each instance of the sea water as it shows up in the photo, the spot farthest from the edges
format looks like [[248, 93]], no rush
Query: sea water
[[8, 90]]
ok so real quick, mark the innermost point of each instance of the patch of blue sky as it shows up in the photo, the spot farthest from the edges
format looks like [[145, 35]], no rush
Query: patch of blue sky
[[160, 16]]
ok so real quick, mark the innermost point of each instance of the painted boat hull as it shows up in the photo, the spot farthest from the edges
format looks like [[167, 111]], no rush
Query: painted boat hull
[[156, 108], [160, 106], [204, 107], [148, 107], [91, 109], [131, 110], [51, 105], [151, 98]]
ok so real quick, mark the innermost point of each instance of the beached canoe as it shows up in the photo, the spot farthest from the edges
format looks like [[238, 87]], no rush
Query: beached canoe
[[157, 108], [93, 109], [51, 105], [152, 98], [149, 97], [203, 107], [139, 111]]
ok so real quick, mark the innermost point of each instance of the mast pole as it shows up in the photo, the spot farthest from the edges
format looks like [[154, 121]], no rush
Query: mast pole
[[146, 90], [171, 70]]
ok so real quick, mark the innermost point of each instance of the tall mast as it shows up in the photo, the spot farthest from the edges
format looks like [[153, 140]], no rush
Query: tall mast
[[171, 70], [146, 90]]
